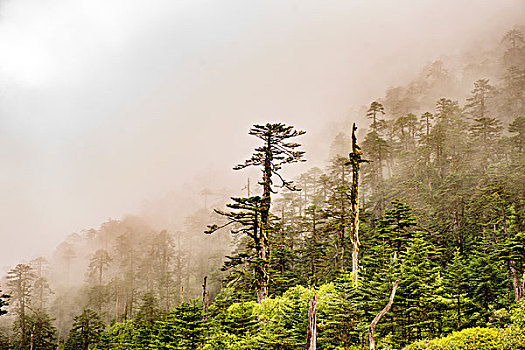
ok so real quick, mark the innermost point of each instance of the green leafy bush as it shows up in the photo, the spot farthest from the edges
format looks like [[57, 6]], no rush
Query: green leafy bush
[[467, 339], [512, 338], [517, 314]]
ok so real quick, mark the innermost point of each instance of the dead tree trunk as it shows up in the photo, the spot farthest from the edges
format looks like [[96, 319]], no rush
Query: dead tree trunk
[[311, 341], [32, 337], [355, 159], [116, 302], [379, 315], [516, 285], [205, 300], [264, 230]]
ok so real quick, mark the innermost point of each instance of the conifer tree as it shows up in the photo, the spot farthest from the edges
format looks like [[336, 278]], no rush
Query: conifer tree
[[375, 145], [42, 289], [487, 282], [511, 102], [514, 54], [419, 284], [477, 103], [426, 119], [373, 112], [484, 128], [514, 37], [396, 227], [20, 281], [456, 292], [239, 319], [149, 310], [338, 210], [254, 214], [316, 245], [86, 330], [99, 262], [41, 332], [183, 330], [518, 127]]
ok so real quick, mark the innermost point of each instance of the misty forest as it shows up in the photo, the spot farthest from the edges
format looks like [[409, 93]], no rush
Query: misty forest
[[411, 236]]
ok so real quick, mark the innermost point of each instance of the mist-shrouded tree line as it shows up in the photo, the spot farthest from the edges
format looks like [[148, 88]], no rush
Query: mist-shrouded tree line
[[441, 205], [111, 273]]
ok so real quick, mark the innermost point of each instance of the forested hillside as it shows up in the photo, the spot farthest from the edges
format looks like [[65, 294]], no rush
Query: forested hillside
[[425, 205]]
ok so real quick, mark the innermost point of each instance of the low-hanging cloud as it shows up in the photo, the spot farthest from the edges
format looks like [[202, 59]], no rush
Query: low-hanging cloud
[[106, 103]]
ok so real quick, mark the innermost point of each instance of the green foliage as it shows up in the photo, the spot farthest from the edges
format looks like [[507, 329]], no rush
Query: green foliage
[[87, 329], [396, 226], [518, 127], [276, 323], [517, 314], [512, 338], [472, 338], [240, 319], [252, 215], [4, 342], [184, 329], [149, 311], [41, 331], [487, 282], [120, 336], [456, 293]]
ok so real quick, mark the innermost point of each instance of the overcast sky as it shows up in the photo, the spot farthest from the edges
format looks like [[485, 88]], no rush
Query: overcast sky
[[106, 103]]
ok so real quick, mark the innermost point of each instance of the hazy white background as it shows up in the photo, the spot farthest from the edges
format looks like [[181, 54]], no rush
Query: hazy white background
[[106, 103]]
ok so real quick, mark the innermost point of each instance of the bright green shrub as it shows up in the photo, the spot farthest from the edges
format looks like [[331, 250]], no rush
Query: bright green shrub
[[420, 345], [513, 338], [467, 339], [517, 314], [472, 338], [118, 336], [240, 318]]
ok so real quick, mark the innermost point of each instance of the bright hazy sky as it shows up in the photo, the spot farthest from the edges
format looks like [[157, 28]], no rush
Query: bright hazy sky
[[106, 103]]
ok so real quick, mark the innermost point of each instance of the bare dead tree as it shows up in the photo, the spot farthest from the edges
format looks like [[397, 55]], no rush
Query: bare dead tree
[[205, 300], [379, 315], [355, 159], [311, 341]]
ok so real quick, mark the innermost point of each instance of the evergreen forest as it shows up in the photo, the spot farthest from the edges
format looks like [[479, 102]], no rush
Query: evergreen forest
[[411, 237]]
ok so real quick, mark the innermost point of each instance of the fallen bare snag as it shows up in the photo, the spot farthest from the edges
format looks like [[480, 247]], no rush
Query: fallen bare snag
[[379, 315]]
